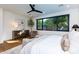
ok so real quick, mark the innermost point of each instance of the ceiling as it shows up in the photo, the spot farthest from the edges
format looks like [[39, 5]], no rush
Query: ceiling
[[45, 8]]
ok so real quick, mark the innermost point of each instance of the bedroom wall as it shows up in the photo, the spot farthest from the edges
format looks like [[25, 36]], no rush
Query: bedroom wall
[[1, 22], [26, 27], [11, 21], [74, 17]]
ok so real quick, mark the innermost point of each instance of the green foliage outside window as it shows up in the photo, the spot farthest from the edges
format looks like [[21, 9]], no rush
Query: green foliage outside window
[[57, 23]]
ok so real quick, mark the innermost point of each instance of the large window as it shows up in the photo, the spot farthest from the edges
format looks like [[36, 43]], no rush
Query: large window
[[57, 23]]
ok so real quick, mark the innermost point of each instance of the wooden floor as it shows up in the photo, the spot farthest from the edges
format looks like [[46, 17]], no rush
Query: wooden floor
[[9, 44]]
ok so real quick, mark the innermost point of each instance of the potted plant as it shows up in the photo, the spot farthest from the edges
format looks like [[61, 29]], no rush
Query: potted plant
[[31, 23]]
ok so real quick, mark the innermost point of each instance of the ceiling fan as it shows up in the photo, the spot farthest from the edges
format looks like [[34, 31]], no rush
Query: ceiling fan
[[33, 9]]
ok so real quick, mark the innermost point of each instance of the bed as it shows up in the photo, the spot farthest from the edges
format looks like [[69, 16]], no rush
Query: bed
[[51, 44], [45, 44]]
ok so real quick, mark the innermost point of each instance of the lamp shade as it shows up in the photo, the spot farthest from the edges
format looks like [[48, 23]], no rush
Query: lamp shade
[[75, 26]]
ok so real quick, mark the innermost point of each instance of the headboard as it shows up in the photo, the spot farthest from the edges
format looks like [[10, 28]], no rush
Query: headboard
[[16, 35]]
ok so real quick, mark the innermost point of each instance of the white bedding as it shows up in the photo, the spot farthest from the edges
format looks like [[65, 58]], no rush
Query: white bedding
[[44, 45], [51, 44], [27, 48], [74, 42]]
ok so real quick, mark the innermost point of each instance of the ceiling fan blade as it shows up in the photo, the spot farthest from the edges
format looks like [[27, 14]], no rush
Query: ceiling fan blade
[[38, 11], [29, 11], [32, 7]]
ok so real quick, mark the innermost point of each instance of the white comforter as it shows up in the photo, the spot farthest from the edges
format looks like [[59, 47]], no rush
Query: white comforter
[[44, 45], [51, 44], [27, 48]]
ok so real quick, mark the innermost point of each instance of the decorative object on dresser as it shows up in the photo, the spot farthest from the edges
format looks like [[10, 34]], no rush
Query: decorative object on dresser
[[75, 26], [31, 23]]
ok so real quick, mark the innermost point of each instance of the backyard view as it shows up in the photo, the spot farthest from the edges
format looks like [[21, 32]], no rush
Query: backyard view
[[39, 24], [58, 23]]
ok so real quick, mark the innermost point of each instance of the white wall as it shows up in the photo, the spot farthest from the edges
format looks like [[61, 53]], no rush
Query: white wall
[[26, 23], [74, 16], [10, 21], [1, 23]]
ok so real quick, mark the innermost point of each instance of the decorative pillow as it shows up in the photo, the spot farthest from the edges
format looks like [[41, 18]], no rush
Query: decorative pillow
[[74, 41], [65, 43], [73, 35]]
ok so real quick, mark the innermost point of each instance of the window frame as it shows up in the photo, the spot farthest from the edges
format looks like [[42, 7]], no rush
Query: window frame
[[52, 17]]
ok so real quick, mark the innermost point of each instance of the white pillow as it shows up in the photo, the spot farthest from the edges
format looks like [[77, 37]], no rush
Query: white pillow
[[74, 42], [73, 35], [65, 43]]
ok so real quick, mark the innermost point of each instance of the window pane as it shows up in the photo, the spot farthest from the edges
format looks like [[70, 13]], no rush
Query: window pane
[[39, 24], [48, 24], [63, 23], [55, 27]]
